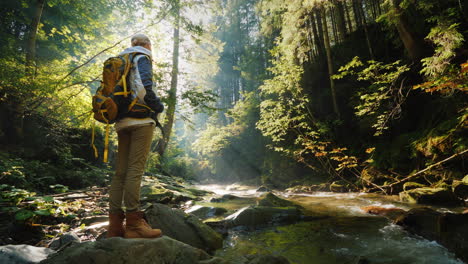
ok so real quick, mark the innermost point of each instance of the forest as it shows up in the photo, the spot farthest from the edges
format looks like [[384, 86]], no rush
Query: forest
[[313, 118]]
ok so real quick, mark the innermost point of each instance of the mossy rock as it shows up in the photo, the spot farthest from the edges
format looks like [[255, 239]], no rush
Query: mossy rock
[[205, 212], [274, 201], [258, 216], [434, 196], [373, 175], [412, 185], [156, 194]]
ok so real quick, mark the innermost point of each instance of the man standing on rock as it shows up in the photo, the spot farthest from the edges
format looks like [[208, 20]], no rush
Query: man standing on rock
[[135, 133]]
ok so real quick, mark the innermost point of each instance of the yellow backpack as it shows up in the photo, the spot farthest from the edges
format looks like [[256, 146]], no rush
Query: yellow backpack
[[113, 97]]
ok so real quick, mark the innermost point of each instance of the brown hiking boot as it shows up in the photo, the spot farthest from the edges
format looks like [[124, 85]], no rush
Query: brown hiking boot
[[136, 227], [116, 228]]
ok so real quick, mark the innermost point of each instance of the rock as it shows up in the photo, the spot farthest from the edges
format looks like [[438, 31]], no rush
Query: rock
[[323, 187], [412, 185], [263, 189], [19, 254], [448, 229], [460, 188], [117, 250], [391, 213], [224, 198], [267, 259], [436, 196], [150, 193], [64, 240], [204, 212], [183, 227], [274, 201], [257, 216]]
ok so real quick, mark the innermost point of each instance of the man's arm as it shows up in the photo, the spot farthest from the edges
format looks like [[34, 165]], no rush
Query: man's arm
[[146, 75]]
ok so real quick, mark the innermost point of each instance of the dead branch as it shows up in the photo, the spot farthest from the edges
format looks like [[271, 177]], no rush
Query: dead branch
[[424, 170]]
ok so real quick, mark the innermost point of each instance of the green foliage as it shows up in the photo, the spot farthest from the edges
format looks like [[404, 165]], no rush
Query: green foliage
[[378, 100]]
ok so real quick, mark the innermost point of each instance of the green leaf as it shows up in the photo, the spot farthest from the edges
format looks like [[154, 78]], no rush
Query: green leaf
[[43, 212], [23, 215]]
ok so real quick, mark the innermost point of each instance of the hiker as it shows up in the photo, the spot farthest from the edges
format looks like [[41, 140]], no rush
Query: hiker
[[135, 133]]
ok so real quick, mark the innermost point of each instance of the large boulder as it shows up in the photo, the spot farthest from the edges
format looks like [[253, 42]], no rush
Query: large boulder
[[274, 201], [64, 240], [258, 216], [204, 212], [23, 254], [225, 198], [117, 250], [183, 227], [435, 196], [448, 229], [460, 188]]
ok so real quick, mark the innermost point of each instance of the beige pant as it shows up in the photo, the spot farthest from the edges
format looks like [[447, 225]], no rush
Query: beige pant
[[134, 146]]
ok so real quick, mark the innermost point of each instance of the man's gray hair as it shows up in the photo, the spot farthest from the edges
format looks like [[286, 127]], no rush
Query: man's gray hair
[[140, 40]]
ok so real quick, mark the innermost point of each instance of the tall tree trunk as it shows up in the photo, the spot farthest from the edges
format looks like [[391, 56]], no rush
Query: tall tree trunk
[[348, 17], [356, 12], [31, 45], [172, 100], [366, 32], [341, 21], [413, 44], [329, 61], [318, 22]]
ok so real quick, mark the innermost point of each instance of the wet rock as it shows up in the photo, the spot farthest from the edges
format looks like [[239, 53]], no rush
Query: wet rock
[[224, 198], [391, 213], [274, 201], [64, 240], [460, 188], [412, 185], [257, 216], [132, 251], [448, 229], [436, 196], [22, 254], [183, 227], [204, 212], [267, 259], [263, 189]]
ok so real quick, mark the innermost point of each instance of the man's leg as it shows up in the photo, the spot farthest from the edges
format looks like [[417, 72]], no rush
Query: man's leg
[[140, 143], [116, 190], [116, 214]]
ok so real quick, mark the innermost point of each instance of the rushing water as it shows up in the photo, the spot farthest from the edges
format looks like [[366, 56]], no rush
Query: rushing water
[[345, 233]]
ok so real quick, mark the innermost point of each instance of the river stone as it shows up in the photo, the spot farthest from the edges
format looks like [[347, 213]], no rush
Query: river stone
[[151, 193], [204, 212], [274, 201], [448, 229], [117, 250], [64, 240], [391, 213], [267, 259], [224, 198], [412, 185], [22, 254], [257, 216], [183, 227], [436, 196], [460, 188]]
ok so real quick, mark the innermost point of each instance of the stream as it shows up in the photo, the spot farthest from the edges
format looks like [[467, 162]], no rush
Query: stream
[[341, 232]]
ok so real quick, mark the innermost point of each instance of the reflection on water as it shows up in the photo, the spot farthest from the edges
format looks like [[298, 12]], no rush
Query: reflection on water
[[348, 235]]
